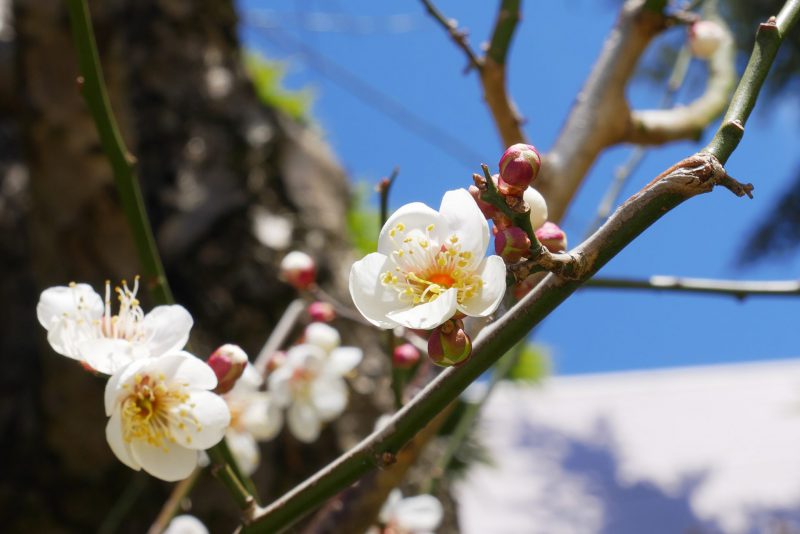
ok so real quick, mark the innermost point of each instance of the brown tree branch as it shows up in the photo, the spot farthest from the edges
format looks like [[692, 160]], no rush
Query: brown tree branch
[[600, 117], [458, 36]]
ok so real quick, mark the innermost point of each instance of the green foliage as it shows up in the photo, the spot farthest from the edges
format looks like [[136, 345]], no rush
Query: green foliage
[[267, 78], [532, 365], [363, 221]]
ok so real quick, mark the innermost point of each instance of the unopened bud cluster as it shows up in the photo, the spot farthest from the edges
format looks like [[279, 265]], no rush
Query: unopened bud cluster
[[298, 270], [519, 167]]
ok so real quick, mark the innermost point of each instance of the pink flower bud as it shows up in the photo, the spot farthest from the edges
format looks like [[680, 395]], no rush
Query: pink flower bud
[[405, 356], [552, 237], [228, 363], [321, 311], [449, 344], [511, 244], [298, 270], [487, 209], [705, 37], [518, 169]]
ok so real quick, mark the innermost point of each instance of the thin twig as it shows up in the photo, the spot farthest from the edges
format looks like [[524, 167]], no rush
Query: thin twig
[[458, 36], [279, 334], [739, 289], [179, 492]]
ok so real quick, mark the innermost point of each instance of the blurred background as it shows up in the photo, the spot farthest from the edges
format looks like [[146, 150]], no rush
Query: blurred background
[[261, 127]]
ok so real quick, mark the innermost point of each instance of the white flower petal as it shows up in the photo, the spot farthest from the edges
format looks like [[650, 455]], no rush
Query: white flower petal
[[249, 381], [414, 216], [303, 421], [170, 463], [185, 524], [465, 219], [279, 385], [168, 327], [55, 302], [64, 336], [344, 359], [429, 315], [420, 513], [329, 397], [244, 448], [323, 336], [486, 301], [118, 446], [262, 418], [370, 296], [307, 357], [208, 419], [108, 355], [387, 510], [185, 368]]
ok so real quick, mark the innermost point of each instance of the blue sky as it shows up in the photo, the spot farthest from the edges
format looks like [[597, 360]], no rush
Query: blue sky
[[401, 59]]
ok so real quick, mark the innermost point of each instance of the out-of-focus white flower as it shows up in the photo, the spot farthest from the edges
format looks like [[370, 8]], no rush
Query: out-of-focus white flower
[[413, 515], [254, 417], [185, 524], [310, 383], [162, 413], [80, 325], [429, 265]]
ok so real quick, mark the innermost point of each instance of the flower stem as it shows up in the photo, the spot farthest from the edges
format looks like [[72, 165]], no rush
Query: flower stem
[[122, 161], [170, 508]]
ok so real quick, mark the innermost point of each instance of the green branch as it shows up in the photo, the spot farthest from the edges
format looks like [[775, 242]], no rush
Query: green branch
[[122, 161], [768, 40], [507, 19]]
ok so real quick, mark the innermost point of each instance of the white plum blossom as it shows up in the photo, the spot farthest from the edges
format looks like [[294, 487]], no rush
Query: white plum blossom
[[185, 524], [81, 326], [254, 417], [429, 265], [163, 413], [413, 515], [310, 382]]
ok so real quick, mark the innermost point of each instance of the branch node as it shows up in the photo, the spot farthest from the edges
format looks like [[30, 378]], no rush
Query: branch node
[[737, 188]]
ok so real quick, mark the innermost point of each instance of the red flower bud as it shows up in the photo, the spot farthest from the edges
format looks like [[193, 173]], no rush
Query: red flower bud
[[449, 344], [298, 270], [552, 237], [518, 169], [228, 363], [511, 244], [405, 356], [321, 311]]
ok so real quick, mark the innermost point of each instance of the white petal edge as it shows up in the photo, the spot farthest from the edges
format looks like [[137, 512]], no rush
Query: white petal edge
[[344, 359], [186, 524], [244, 448], [493, 274], [106, 355], [176, 463], [387, 510], [54, 302], [169, 328], [415, 215], [213, 418], [117, 443], [263, 418], [429, 315], [279, 388], [465, 219], [323, 336], [420, 513], [303, 422], [186, 368], [372, 299]]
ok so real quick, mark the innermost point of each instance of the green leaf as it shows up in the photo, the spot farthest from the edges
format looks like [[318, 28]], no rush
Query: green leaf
[[532, 366], [267, 78], [363, 221]]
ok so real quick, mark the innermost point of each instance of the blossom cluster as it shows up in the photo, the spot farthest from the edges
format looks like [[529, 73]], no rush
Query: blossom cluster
[[165, 405]]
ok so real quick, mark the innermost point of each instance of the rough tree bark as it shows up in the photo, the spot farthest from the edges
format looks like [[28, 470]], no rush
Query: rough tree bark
[[212, 158]]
